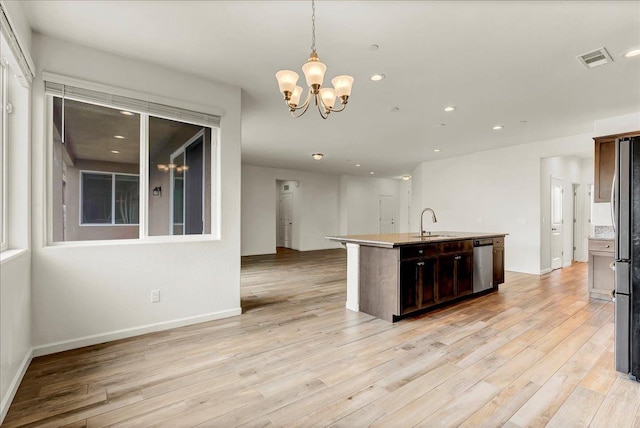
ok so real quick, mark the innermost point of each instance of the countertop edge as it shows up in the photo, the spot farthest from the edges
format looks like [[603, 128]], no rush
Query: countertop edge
[[414, 241]]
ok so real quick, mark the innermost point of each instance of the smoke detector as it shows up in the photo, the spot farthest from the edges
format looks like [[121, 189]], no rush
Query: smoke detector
[[595, 58]]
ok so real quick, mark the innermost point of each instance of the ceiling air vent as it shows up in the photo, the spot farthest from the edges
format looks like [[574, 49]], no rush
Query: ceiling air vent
[[595, 58]]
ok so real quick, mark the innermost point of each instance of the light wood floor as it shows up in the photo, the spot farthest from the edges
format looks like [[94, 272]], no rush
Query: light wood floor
[[537, 353]]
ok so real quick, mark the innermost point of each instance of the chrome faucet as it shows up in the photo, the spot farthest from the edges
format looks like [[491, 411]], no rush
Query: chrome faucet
[[433, 217]]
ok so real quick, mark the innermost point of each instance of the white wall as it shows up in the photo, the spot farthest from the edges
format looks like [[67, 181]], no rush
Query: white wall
[[315, 209], [89, 293], [493, 191], [360, 204]]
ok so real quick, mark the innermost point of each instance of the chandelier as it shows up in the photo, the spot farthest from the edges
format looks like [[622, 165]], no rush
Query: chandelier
[[324, 98]]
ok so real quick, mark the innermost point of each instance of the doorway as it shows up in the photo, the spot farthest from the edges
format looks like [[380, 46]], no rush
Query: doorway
[[286, 194], [386, 214], [188, 187], [557, 222]]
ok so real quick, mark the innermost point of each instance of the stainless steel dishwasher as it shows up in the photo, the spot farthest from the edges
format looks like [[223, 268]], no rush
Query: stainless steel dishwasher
[[482, 264]]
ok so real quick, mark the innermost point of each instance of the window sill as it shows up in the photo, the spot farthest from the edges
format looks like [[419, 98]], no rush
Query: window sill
[[11, 254]]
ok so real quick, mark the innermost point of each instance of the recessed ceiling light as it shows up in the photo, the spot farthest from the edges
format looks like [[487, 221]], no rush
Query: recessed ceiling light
[[372, 173], [634, 52], [394, 109], [126, 113], [357, 164], [377, 77], [115, 151], [406, 177], [317, 156], [436, 150], [373, 47], [450, 108], [498, 127], [443, 124], [119, 137], [523, 121]]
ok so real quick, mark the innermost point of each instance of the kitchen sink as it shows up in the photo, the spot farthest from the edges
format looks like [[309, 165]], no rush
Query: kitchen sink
[[431, 236]]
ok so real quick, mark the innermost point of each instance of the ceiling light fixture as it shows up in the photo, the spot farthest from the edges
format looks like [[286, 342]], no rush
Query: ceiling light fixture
[[126, 113], [324, 98], [377, 77], [372, 173], [632, 53], [115, 151], [357, 164], [450, 108], [406, 177], [498, 127], [436, 150], [119, 137], [317, 156]]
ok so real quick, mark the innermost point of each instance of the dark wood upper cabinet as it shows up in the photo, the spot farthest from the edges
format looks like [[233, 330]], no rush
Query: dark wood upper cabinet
[[604, 168], [605, 148]]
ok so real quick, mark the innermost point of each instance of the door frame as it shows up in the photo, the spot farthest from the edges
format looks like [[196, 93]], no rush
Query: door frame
[[561, 180], [181, 150]]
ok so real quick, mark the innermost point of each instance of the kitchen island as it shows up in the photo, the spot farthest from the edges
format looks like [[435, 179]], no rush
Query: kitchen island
[[397, 275]]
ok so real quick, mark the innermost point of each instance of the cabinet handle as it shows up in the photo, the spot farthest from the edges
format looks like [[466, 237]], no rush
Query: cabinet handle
[[458, 257], [606, 246], [612, 266], [420, 251]]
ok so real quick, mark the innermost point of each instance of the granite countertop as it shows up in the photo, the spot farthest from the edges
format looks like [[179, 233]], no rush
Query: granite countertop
[[398, 239], [604, 233], [603, 238]]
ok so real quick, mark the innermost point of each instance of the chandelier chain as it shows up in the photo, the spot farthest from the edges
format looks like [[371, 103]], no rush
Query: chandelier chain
[[313, 26]]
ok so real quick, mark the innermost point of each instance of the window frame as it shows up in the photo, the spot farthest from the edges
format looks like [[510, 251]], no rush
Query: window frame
[[143, 224], [113, 198], [4, 185]]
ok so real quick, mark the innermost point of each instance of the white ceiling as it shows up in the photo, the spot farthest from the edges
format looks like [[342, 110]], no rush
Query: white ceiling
[[499, 62]]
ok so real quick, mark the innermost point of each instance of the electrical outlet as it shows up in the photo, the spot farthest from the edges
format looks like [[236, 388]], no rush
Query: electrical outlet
[[155, 296]]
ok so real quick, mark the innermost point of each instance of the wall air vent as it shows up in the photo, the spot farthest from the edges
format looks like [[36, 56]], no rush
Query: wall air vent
[[595, 58]]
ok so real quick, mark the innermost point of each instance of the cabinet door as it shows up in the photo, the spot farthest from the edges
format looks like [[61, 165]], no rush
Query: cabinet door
[[498, 265], [464, 273], [446, 289], [410, 272], [604, 168], [427, 281]]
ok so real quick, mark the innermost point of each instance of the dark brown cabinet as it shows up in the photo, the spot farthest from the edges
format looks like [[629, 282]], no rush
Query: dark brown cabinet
[[498, 261], [604, 167], [455, 276], [417, 284]]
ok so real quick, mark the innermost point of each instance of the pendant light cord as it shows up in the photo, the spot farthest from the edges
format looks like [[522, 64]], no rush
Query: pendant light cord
[[313, 26]]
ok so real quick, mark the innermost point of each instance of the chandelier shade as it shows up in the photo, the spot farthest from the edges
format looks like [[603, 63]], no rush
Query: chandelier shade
[[314, 71]]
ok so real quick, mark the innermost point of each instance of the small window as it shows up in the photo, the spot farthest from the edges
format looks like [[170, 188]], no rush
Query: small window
[[109, 199]]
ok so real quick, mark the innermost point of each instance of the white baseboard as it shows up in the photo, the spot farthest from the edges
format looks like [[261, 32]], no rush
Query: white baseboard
[[52, 348], [566, 264], [543, 271], [15, 383], [353, 307]]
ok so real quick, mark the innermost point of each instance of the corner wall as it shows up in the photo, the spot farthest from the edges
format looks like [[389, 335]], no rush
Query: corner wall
[[89, 293]]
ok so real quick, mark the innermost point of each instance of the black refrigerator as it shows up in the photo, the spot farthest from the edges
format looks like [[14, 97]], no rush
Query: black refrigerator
[[626, 221]]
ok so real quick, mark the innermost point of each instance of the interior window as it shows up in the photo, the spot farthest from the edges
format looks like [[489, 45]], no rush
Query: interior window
[[96, 170], [179, 178], [97, 185]]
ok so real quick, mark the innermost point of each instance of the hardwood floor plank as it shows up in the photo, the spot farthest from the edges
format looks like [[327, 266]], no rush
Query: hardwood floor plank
[[538, 351]]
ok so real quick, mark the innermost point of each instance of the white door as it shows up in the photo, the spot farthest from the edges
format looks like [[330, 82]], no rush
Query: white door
[[286, 218], [557, 221], [386, 214]]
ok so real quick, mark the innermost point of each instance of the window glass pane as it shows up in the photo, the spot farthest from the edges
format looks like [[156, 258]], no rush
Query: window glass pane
[[127, 199], [179, 164], [96, 164], [96, 198]]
